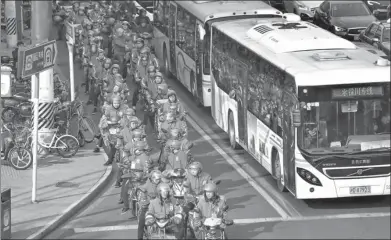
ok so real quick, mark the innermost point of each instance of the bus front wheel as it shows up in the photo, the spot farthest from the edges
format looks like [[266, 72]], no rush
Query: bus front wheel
[[277, 171]]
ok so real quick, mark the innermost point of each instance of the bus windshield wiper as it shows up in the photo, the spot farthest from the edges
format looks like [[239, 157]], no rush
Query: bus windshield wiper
[[381, 149]]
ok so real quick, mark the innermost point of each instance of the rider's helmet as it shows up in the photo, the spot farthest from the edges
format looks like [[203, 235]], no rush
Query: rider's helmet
[[118, 78], [120, 31], [175, 146], [130, 112], [156, 176], [107, 63], [171, 94], [115, 68], [162, 88], [116, 100], [210, 190], [158, 77], [137, 134], [145, 50], [140, 147], [195, 168], [110, 21], [114, 118], [163, 189], [81, 12], [125, 25], [133, 122], [171, 117]]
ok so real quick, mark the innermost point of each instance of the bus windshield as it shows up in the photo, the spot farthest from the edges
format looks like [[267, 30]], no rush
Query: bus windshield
[[350, 123]]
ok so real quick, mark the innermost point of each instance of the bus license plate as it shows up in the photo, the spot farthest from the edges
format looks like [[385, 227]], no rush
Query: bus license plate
[[360, 190]]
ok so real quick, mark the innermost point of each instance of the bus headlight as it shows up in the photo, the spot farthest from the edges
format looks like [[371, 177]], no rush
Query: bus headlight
[[308, 177]]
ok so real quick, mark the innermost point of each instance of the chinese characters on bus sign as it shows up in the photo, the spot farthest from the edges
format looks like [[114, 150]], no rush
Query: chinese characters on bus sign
[[37, 59], [357, 92]]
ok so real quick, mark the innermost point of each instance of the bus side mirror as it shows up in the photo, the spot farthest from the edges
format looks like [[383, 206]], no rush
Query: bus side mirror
[[296, 118], [232, 94]]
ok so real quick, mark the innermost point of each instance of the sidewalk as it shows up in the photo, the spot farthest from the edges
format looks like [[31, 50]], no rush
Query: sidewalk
[[64, 186]]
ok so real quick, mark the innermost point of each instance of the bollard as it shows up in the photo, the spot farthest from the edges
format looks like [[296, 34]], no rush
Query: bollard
[[6, 213]]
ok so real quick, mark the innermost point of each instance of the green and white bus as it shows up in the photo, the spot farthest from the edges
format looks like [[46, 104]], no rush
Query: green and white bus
[[310, 107]]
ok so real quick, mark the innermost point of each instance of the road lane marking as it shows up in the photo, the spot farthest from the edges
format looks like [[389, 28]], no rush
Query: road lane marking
[[246, 221], [242, 173], [311, 218]]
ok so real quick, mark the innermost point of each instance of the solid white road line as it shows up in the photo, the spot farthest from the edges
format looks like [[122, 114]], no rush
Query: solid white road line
[[311, 218], [247, 221], [283, 213]]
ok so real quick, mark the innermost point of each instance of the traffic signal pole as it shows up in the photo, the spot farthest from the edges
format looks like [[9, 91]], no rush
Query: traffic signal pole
[[42, 83]]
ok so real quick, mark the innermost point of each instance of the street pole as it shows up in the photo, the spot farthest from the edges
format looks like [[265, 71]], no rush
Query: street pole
[[71, 71], [10, 16], [42, 83], [35, 100], [1, 144]]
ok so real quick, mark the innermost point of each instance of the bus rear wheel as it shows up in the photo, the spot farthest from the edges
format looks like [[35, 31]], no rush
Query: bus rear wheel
[[277, 171]]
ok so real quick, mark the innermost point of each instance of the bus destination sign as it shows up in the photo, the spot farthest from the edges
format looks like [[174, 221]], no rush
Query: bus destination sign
[[357, 92]]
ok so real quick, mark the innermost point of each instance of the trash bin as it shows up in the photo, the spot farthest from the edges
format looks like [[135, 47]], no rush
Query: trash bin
[[6, 213]]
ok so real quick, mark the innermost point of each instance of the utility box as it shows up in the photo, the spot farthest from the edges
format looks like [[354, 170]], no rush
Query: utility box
[[6, 213]]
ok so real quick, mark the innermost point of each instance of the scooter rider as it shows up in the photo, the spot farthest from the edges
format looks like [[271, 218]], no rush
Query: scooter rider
[[196, 179], [211, 204], [173, 99], [149, 192], [115, 111], [125, 140], [172, 121], [98, 63], [139, 161], [119, 47], [176, 157], [164, 207]]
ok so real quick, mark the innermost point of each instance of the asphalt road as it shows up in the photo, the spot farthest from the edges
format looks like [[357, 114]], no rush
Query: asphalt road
[[256, 205]]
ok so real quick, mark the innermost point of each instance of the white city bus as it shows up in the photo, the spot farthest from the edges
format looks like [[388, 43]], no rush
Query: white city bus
[[181, 29], [309, 106]]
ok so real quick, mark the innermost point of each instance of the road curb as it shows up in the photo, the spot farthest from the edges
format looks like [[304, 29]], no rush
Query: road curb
[[76, 206]]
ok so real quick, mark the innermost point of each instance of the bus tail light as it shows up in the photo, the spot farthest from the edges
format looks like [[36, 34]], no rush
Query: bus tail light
[[308, 177]]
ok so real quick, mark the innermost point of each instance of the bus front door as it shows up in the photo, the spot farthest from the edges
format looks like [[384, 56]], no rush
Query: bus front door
[[172, 37], [241, 71]]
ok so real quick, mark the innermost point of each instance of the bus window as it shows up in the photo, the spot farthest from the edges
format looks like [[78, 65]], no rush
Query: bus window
[[186, 32]]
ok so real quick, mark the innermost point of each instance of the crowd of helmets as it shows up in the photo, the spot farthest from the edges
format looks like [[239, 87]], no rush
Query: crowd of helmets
[[113, 46]]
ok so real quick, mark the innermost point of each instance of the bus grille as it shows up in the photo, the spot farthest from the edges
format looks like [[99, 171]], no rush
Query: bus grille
[[357, 172]]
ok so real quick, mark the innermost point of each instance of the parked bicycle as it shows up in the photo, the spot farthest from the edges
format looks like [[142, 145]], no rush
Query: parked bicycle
[[15, 147], [66, 145], [86, 128]]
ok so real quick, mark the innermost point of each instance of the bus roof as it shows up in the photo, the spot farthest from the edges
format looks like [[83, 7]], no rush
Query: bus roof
[[312, 55], [207, 10]]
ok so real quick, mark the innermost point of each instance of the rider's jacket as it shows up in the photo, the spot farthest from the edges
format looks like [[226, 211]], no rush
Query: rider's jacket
[[98, 67], [111, 111], [181, 125], [176, 160], [141, 162], [166, 107], [213, 208], [149, 190], [119, 45], [141, 70], [196, 183], [154, 61], [161, 208], [127, 138]]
